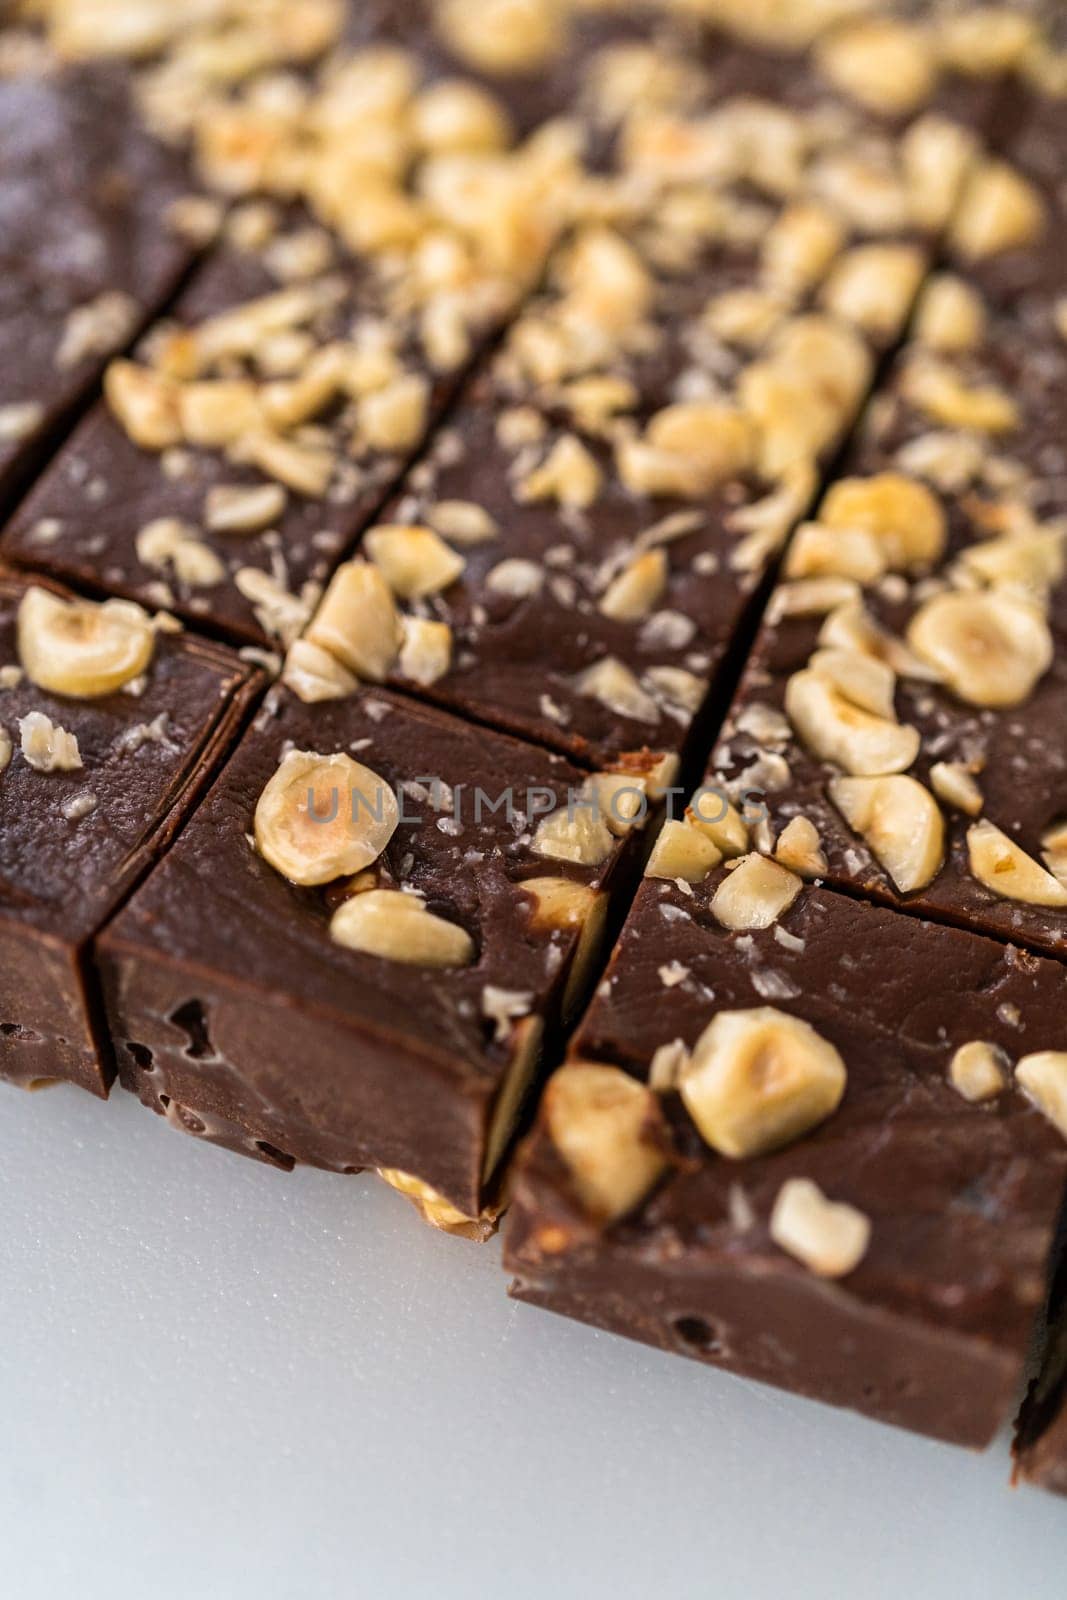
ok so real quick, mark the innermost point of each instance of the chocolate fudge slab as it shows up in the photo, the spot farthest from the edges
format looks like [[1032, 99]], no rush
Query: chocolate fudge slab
[[598, 578], [1002, 496], [930, 1329], [82, 520], [237, 1015], [86, 254], [74, 841]]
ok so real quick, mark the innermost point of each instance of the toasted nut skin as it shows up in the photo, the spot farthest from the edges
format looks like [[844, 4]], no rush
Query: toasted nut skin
[[754, 894], [323, 817], [604, 1125], [800, 849], [414, 561], [397, 927], [79, 648], [831, 1239], [358, 622], [905, 517], [901, 822], [1003, 866], [682, 851], [991, 648], [1043, 1077], [836, 730], [977, 1071], [760, 1079]]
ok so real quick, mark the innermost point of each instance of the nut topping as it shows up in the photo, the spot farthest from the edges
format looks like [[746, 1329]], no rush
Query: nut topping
[[950, 317], [314, 674], [829, 1238], [608, 1131], [755, 894], [999, 211], [836, 730], [954, 783], [904, 516], [978, 1071], [682, 851], [80, 649], [1003, 866], [46, 746], [888, 66], [323, 817], [397, 927], [901, 822], [760, 1079], [577, 832], [1043, 1077], [800, 849], [426, 651], [357, 621], [637, 589], [991, 649], [414, 561]]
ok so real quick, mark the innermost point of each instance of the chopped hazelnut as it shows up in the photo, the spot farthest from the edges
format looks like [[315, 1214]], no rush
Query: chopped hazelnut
[[608, 1131], [760, 1079], [755, 894], [829, 1238], [397, 927], [977, 1071], [323, 817]]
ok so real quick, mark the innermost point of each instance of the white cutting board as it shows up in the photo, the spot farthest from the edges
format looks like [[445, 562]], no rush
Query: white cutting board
[[220, 1381]]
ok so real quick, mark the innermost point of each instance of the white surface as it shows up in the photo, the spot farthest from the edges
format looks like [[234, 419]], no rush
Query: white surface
[[220, 1381]]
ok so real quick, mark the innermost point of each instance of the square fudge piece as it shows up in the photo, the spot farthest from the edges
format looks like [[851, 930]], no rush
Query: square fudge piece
[[85, 250], [372, 989], [245, 446], [907, 694], [809, 1141], [108, 728]]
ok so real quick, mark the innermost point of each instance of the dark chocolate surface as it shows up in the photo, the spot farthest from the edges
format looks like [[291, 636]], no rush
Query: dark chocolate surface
[[84, 193], [931, 1329]]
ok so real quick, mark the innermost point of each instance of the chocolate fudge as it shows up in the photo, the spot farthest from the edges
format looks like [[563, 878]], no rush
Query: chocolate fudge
[[926, 606], [374, 992], [240, 452], [801, 1138], [109, 726], [86, 253], [588, 534]]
